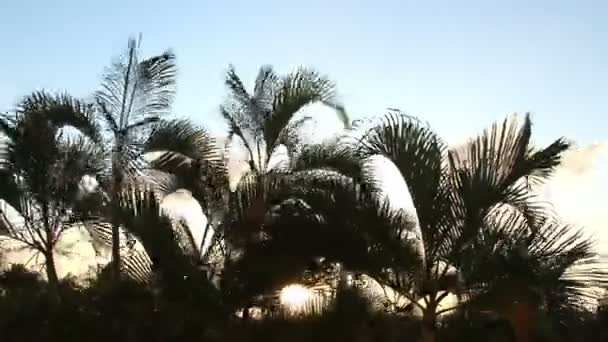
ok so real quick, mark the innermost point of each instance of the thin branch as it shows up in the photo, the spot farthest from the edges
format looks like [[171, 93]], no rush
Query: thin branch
[[442, 311], [126, 84]]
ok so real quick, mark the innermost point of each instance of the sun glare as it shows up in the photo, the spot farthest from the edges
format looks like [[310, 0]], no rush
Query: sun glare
[[295, 295]]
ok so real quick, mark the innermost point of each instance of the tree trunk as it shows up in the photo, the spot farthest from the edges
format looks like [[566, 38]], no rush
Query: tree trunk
[[429, 325], [246, 313], [49, 258], [51, 273], [115, 251], [115, 205], [520, 316], [207, 226], [51, 270]]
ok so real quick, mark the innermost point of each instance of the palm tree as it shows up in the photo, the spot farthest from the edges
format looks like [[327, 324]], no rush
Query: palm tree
[[260, 122], [135, 93], [180, 155], [532, 279], [317, 221], [459, 197], [42, 170], [457, 194], [174, 256], [264, 120], [193, 158]]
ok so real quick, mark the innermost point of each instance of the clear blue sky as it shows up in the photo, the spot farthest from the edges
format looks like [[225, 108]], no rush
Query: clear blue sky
[[457, 64]]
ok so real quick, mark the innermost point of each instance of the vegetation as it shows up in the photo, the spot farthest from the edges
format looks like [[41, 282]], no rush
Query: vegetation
[[479, 257]]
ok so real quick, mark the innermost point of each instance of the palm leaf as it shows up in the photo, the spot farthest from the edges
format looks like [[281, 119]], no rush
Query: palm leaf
[[134, 90], [37, 153], [182, 144], [555, 266], [236, 86], [492, 170], [60, 111], [418, 154], [265, 87], [298, 89], [191, 154], [327, 217], [176, 269]]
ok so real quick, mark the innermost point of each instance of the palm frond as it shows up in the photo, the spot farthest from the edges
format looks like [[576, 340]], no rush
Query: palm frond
[[552, 265], [177, 270], [542, 163], [236, 128], [182, 144], [251, 201], [291, 135], [492, 170], [333, 218], [298, 89], [191, 154], [418, 154], [8, 126], [40, 160], [331, 157], [60, 111], [236, 86], [137, 265], [141, 124], [134, 90], [76, 158], [265, 87]]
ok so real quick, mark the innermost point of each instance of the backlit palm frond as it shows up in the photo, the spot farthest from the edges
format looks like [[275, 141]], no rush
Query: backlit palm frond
[[127, 160], [192, 155], [36, 127], [177, 271], [8, 126], [317, 160], [38, 153], [244, 117], [418, 154], [552, 265], [543, 162], [251, 201], [96, 210], [76, 159], [182, 145], [236, 87], [141, 200], [339, 224], [494, 168], [137, 265], [134, 89], [291, 135], [377, 230], [298, 89], [60, 111], [239, 128], [571, 269], [265, 88]]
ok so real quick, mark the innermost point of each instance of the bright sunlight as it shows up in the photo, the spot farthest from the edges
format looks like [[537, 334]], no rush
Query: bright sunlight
[[295, 295]]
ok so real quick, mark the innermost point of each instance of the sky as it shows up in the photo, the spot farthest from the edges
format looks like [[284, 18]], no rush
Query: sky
[[460, 65]]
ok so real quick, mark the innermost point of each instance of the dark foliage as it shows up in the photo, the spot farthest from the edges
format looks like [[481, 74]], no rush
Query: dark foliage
[[476, 232]]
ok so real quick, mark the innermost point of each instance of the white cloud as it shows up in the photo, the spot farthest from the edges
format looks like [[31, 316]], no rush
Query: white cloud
[[578, 190]]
